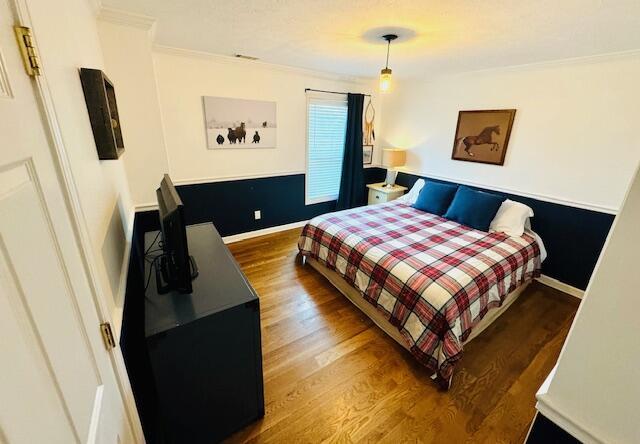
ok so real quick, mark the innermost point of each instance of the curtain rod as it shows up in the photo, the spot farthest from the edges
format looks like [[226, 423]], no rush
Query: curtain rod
[[330, 92]]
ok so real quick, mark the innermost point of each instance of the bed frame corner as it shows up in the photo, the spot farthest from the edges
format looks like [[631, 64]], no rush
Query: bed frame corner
[[301, 259]]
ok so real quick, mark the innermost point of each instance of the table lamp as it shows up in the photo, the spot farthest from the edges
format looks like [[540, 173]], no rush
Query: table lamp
[[393, 158]]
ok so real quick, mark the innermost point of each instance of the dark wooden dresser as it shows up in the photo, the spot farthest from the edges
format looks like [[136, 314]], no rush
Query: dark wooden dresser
[[204, 348]]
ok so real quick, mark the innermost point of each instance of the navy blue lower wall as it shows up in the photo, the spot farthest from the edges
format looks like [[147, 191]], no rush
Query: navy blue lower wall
[[132, 336], [545, 431], [573, 237], [230, 204]]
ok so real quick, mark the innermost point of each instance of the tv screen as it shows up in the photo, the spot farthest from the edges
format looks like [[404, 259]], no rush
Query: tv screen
[[175, 269]]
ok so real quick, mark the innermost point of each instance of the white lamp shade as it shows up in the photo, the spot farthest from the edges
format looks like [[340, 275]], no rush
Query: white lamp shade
[[393, 157]]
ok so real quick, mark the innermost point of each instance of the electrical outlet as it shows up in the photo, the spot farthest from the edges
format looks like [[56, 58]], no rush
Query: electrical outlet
[[257, 215]]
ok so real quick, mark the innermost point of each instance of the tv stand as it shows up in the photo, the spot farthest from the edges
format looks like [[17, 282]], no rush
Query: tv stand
[[204, 348]]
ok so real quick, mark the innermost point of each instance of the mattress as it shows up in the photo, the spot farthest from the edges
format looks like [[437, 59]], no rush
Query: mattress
[[433, 280]]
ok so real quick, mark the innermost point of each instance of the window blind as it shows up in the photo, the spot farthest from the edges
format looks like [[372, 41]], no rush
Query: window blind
[[326, 131]]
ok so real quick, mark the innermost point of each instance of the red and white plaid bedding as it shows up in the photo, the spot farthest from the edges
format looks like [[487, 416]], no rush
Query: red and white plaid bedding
[[434, 278]]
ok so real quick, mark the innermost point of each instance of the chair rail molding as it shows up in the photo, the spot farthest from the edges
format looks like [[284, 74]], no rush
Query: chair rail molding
[[543, 197]]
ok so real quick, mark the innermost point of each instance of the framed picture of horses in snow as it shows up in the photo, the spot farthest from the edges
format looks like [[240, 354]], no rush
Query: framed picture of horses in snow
[[239, 123], [483, 136]]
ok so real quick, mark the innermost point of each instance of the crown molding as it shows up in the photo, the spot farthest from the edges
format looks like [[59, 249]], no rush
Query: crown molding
[[594, 58], [126, 18], [95, 5], [582, 60], [142, 21], [231, 60]]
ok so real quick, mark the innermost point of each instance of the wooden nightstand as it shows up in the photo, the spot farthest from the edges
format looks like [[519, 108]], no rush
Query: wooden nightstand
[[378, 193]]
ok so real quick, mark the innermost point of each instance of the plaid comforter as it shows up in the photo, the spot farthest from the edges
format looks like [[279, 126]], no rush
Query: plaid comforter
[[434, 278]]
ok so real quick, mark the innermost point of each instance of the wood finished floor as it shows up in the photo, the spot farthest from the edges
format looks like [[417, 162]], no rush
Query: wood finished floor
[[331, 375]]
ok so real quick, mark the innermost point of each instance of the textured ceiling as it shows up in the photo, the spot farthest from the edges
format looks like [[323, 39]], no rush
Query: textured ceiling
[[448, 35]]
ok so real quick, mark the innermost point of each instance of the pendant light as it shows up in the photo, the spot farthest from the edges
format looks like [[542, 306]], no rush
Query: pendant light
[[385, 73]]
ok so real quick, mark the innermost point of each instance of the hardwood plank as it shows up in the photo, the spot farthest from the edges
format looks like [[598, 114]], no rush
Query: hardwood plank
[[331, 375]]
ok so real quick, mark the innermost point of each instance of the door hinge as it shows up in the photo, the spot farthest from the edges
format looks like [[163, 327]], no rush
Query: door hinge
[[107, 335], [28, 50]]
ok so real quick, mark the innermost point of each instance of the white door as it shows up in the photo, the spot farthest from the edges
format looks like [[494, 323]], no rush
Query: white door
[[57, 384]]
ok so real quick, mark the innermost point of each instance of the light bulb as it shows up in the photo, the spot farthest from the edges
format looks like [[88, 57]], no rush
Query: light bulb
[[385, 80]]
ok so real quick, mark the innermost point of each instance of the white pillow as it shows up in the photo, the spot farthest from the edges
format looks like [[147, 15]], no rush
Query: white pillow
[[411, 197], [511, 218]]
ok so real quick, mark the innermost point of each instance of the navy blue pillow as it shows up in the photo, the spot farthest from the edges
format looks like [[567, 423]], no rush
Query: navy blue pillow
[[435, 197], [475, 209]]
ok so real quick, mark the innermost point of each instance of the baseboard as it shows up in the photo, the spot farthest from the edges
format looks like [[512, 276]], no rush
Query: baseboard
[[249, 234], [565, 288]]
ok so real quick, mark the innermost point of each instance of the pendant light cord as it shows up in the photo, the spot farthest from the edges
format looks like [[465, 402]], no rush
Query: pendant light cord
[[388, 45]]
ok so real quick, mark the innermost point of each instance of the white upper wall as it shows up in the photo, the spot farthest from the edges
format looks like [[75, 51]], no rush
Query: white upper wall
[[594, 392], [129, 65], [184, 78], [160, 94], [68, 40], [574, 139]]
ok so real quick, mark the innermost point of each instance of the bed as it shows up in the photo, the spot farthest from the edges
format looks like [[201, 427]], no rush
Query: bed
[[430, 283]]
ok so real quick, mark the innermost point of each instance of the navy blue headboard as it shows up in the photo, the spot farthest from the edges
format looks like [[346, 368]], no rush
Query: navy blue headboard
[[572, 236]]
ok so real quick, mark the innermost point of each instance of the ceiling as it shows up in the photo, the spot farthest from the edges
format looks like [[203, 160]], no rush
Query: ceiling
[[440, 36]]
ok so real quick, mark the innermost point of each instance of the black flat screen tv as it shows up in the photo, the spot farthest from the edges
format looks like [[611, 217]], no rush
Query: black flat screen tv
[[175, 269]]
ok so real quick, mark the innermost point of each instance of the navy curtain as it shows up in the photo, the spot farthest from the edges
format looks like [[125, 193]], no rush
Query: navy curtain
[[352, 180]]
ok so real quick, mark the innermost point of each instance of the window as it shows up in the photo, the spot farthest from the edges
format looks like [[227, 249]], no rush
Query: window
[[326, 130]]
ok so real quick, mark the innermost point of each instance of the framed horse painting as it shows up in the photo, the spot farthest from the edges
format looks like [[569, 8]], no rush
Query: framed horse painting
[[483, 136]]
